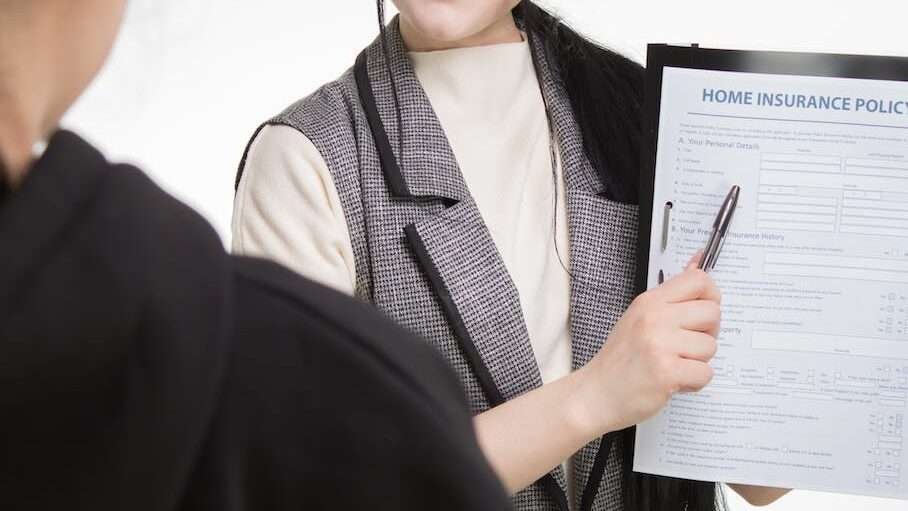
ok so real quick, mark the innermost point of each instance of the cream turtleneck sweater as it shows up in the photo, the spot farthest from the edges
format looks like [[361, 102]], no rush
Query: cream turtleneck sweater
[[489, 103]]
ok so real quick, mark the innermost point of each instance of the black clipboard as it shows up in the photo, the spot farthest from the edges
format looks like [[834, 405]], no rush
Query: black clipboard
[[660, 56]]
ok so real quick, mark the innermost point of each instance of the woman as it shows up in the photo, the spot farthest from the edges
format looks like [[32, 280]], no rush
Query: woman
[[142, 368], [447, 178]]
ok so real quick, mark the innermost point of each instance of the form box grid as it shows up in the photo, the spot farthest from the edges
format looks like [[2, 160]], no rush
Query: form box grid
[[786, 207]]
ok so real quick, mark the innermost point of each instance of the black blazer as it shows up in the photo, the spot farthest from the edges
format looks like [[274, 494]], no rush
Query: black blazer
[[142, 368]]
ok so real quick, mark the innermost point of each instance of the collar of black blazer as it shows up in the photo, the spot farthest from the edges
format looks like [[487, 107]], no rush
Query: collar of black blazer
[[59, 183], [4, 186]]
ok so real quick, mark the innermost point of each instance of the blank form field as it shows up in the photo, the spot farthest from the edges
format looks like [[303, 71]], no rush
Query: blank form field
[[883, 168], [826, 207], [836, 267], [828, 343], [873, 230], [802, 159], [897, 222], [800, 164], [876, 206], [791, 225]]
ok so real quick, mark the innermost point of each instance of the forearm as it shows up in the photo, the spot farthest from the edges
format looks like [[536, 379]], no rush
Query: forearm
[[526, 437]]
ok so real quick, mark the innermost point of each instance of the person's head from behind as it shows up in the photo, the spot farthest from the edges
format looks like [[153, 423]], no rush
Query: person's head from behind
[[50, 50]]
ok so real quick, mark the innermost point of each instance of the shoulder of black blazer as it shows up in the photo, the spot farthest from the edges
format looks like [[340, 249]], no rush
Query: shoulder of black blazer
[[143, 368]]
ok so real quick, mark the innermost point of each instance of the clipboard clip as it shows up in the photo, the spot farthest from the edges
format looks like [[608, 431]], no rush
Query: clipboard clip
[[666, 220]]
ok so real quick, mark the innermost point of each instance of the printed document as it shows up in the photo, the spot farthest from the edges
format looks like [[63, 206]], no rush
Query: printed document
[[811, 377]]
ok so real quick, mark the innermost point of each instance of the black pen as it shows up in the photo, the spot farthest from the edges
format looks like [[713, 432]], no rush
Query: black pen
[[720, 229]]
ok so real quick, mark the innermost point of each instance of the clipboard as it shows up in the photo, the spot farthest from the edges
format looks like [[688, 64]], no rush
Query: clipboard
[[801, 362], [660, 56]]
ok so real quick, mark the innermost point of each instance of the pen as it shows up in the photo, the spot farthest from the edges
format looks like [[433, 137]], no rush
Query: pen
[[720, 229]]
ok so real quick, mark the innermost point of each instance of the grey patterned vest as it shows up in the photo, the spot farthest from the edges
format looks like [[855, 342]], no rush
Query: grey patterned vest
[[424, 256]]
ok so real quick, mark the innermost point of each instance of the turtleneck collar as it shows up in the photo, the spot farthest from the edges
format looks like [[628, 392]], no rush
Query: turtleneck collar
[[483, 80]]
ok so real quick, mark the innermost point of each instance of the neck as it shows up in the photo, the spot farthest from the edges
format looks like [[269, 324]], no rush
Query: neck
[[18, 135], [502, 31], [23, 109]]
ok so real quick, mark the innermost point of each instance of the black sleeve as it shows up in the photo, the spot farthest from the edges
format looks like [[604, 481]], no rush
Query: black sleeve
[[328, 405]]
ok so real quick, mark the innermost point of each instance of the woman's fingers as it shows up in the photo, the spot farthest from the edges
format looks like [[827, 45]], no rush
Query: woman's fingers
[[697, 346], [694, 260], [694, 375], [697, 315], [688, 285]]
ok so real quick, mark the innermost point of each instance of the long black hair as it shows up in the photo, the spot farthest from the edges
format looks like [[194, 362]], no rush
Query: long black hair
[[606, 95]]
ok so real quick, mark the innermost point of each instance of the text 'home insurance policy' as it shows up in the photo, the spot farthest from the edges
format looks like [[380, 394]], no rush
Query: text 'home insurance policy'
[[811, 377]]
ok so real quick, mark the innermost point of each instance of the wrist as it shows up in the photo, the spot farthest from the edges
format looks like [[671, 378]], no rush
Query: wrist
[[588, 409]]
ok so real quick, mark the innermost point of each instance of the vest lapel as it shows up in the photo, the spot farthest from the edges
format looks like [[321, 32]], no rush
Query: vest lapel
[[452, 246], [603, 236], [427, 168], [455, 246]]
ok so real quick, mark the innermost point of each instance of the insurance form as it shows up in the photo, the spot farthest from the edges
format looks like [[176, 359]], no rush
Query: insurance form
[[811, 377]]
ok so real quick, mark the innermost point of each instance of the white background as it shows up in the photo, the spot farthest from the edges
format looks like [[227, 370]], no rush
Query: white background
[[190, 80]]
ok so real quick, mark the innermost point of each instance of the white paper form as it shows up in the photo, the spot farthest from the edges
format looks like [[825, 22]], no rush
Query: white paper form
[[811, 376]]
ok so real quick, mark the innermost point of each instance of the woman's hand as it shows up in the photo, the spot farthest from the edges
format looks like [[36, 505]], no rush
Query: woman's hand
[[661, 345]]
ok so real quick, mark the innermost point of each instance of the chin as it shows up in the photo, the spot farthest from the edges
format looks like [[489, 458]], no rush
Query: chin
[[452, 20], [444, 20]]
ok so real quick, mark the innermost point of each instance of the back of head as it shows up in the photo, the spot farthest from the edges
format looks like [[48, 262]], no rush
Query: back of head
[[50, 50]]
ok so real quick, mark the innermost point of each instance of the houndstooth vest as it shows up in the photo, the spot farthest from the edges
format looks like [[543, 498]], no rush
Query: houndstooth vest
[[424, 256]]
